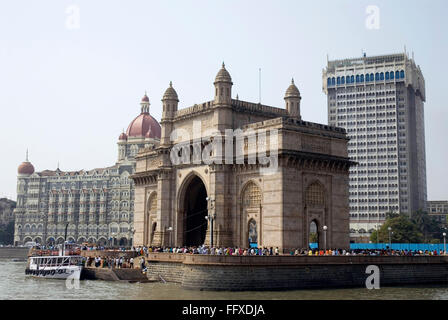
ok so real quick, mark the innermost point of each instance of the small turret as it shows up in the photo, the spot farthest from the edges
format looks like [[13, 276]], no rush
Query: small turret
[[170, 103], [223, 86], [145, 104], [292, 100]]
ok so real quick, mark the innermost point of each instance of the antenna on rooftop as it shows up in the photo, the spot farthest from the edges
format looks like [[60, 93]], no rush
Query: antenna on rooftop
[[259, 85]]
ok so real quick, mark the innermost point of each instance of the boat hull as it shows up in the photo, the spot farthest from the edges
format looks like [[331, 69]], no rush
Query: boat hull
[[72, 272]]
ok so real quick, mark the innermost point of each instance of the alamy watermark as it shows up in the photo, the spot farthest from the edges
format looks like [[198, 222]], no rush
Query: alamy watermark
[[373, 17], [73, 19], [72, 282], [212, 146], [373, 280]]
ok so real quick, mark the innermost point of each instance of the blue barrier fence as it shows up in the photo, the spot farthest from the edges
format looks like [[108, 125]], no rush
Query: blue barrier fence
[[395, 246], [398, 246]]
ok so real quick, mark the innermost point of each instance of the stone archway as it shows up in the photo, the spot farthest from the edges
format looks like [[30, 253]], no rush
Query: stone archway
[[251, 215], [193, 210], [253, 233], [151, 218], [313, 234], [315, 213]]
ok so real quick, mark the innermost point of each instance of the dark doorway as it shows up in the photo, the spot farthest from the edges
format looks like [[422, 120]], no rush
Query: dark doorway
[[195, 224], [313, 235]]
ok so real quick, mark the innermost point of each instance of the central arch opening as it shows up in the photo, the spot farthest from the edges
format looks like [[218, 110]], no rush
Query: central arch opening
[[195, 205]]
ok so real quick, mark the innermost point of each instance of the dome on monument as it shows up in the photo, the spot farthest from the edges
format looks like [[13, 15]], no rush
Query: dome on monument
[[223, 75], [170, 93], [123, 136], [26, 168], [292, 90], [145, 98], [142, 125]]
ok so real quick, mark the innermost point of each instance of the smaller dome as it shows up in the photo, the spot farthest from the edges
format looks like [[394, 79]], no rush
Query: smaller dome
[[170, 93], [292, 90], [145, 98], [26, 168], [223, 75], [123, 136]]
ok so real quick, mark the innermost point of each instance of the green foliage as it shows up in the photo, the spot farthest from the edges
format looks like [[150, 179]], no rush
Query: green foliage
[[428, 226], [420, 228], [391, 215], [313, 237], [403, 231], [7, 233]]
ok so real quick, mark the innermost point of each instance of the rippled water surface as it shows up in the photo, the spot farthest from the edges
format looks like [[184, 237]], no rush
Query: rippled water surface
[[14, 285]]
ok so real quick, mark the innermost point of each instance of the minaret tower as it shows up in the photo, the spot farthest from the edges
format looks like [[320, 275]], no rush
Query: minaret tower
[[223, 87], [292, 100], [145, 104], [170, 103]]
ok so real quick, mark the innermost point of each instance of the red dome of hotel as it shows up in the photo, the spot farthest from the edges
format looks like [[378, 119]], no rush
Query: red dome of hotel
[[144, 126], [145, 98], [26, 167], [123, 136]]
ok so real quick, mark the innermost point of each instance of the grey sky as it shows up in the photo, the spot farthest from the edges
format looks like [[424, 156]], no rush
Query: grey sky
[[66, 94]]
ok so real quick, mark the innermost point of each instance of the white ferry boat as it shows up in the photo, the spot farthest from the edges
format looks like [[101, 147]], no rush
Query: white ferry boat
[[66, 263]]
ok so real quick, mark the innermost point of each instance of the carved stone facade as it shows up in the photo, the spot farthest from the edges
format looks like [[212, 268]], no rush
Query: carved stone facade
[[253, 202]]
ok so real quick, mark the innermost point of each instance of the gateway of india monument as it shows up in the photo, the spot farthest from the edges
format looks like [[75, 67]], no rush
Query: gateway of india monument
[[233, 173]]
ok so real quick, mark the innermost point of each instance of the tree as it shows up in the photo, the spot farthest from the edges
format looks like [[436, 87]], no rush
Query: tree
[[404, 231], [7, 233], [428, 226]]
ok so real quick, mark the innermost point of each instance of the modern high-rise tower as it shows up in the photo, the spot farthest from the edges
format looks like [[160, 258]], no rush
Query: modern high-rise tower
[[379, 101]]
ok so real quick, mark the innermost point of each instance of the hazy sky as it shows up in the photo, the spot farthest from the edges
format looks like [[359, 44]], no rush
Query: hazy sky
[[67, 90]]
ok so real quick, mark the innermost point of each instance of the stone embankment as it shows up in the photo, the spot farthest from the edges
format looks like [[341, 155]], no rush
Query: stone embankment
[[107, 274], [235, 273], [14, 253]]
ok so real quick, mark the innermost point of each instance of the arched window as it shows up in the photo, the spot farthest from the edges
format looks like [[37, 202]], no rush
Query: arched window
[[339, 80], [251, 196], [342, 80], [372, 77], [387, 75], [391, 75], [315, 194], [402, 74], [352, 79], [329, 82], [357, 78], [377, 76], [332, 81], [361, 78], [152, 204], [381, 76], [397, 75]]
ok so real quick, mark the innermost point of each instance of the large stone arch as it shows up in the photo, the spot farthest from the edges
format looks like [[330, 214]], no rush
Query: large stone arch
[[191, 216], [150, 217], [250, 200], [315, 202]]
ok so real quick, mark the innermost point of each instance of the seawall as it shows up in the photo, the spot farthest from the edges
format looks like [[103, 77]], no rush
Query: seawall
[[241, 273], [107, 274], [13, 253]]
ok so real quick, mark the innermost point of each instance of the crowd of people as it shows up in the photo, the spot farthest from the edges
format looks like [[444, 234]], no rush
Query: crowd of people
[[237, 251], [113, 262]]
